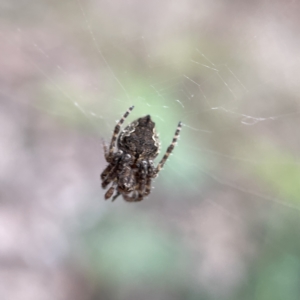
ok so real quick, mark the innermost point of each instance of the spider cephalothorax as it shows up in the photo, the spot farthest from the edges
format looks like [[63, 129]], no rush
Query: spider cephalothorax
[[131, 168]]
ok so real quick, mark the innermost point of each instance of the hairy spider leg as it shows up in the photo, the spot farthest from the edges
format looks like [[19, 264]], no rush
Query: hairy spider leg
[[109, 170], [169, 150], [109, 176], [106, 171], [116, 196], [116, 132], [151, 174], [105, 149], [142, 179], [109, 192], [114, 171], [148, 186]]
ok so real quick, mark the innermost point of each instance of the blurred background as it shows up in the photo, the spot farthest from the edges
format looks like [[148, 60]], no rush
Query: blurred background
[[223, 219]]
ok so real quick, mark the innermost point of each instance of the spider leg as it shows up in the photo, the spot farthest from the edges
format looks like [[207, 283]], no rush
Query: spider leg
[[109, 175], [151, 174], [106, 171], [148, 186], [169, 150], [105, 149], [116, 132], [142, 174], [106, 175], [109, 192], [120, 173], [116, 196]]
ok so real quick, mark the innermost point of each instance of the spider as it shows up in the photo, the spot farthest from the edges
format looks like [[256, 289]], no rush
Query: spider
[[131, 168]]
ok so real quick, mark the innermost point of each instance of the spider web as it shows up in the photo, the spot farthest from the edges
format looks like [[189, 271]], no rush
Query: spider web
[[231, 187]]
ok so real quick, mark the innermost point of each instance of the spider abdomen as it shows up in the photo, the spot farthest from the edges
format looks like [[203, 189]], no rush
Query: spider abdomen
[[140, 139]]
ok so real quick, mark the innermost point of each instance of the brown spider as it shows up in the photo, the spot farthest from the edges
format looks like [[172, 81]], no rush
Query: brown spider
[[131, 167]]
